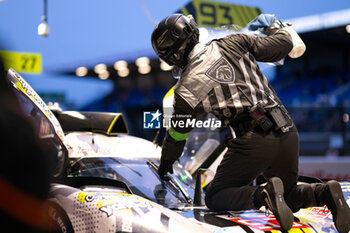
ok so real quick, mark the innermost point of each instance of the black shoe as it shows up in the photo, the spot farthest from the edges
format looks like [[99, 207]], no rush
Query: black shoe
[[273, 197], [332, 196]]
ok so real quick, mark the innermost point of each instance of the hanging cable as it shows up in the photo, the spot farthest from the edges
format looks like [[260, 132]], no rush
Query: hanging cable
[[44, 18], [147, 12]]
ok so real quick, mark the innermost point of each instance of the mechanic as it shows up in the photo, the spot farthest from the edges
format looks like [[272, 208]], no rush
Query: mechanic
[[223, 78]]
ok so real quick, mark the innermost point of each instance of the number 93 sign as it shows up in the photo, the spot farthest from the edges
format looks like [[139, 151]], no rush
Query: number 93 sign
[[216, 14]]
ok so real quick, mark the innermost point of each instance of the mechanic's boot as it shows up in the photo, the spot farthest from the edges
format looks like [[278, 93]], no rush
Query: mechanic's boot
[[331, 194], [271, 196]]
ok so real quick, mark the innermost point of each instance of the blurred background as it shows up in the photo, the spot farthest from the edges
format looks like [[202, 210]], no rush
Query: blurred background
[[93, 55]]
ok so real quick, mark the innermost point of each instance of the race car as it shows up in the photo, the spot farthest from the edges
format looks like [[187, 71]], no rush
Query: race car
[[107, 181]]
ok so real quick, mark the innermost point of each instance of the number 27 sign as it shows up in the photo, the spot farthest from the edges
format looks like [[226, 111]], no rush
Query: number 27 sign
[[21, 62]]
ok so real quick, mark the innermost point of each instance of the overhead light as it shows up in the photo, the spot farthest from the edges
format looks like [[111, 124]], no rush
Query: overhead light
[[99, 68], [164, 66], [347, 28], [143, 64], [142, 61], [43, 29], [118, 65], [81, 71], [123, 72], [122, 67], [144, 69], [103, 75]]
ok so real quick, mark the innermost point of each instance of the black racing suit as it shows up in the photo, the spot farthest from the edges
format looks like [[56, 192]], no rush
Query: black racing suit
[[223, 78]]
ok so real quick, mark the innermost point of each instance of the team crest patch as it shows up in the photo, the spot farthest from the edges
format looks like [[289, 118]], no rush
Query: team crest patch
[[221, 71]]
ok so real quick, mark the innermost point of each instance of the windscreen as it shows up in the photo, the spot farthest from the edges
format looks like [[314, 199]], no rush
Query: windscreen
[[137, 174]]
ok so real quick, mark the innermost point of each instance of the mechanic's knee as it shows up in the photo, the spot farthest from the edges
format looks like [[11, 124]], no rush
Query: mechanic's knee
[[208, 201], [209, 198], [212, 203], [290, 197]]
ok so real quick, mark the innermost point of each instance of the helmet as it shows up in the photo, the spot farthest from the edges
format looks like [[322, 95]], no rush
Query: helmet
[[173, 39]]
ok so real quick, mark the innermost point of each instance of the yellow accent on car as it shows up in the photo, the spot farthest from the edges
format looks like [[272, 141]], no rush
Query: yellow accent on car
[[81, 196], [169, 93], [112, 123]]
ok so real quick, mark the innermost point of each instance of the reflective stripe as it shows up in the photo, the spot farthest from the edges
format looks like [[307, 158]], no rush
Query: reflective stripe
[[176, 135], [235, 97], [258, 81], [220, 97], [206, 104], [221, 101], [248, 82]]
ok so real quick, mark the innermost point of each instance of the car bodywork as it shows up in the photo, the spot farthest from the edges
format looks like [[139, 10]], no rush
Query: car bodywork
[[107, 181]]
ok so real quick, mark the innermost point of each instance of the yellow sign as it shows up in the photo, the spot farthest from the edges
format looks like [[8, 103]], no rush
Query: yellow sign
[[22, 62], [216, 14]]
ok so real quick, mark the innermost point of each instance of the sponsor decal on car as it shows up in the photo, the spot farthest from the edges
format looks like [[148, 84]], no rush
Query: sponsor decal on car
[[108, 202], [265, 223], [320, 212]]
